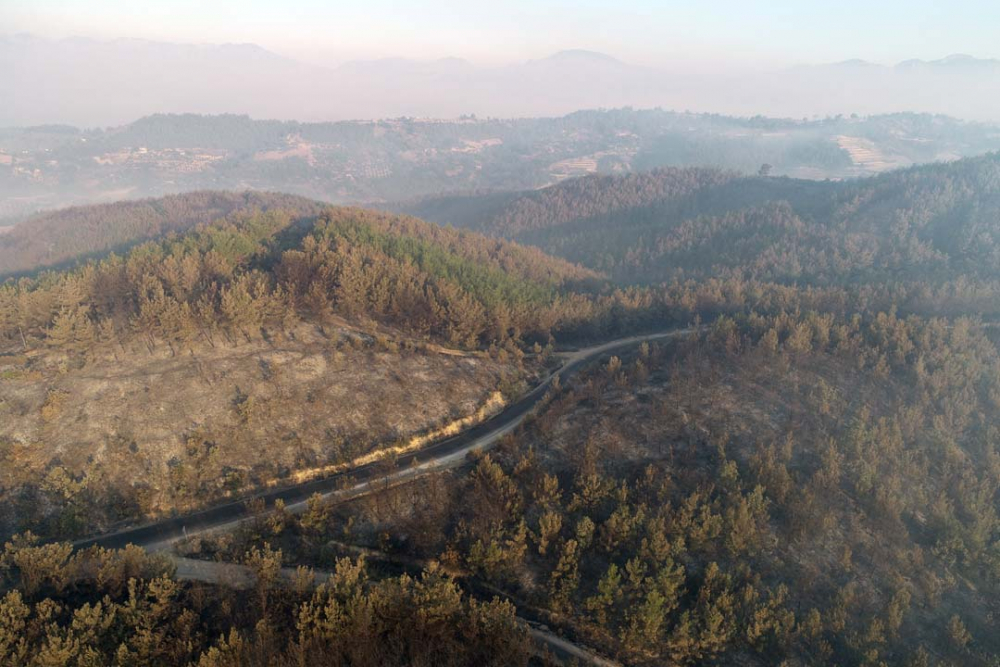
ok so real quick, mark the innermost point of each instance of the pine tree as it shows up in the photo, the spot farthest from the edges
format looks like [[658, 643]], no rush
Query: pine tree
[[265, 563], [14, 614], [646, 622], [314, 519], [957, 633], [609, 594], [565, 578], [71, 330], [549, 525]]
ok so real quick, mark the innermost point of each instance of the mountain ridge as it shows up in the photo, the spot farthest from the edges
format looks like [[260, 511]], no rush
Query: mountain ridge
[[132, 78]]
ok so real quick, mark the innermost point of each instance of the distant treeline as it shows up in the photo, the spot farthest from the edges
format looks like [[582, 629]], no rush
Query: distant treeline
[[927, 228]]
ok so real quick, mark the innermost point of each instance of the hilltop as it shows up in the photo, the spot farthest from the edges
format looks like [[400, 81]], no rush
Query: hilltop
[[77, 233]]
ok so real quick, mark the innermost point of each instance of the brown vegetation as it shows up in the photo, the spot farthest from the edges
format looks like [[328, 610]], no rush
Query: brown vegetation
[[800, 488], [125, 608]]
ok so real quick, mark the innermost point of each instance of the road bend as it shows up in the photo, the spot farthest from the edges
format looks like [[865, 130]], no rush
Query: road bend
[[447, 453], [444, 454]]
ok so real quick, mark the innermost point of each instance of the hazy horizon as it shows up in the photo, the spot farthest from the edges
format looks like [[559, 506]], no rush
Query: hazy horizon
[[641, 32], [107, 62], [89, 82], [491, 63]]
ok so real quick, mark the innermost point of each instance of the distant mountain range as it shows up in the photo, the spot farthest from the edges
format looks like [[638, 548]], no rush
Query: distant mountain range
[[86, 82], [956, 63]]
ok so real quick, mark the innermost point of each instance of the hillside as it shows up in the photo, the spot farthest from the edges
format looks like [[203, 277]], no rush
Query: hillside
[[931, 224], [76, 233], [259, 349]]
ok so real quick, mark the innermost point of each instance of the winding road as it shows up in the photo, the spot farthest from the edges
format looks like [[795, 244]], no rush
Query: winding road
[[359, 481], [446, 453]]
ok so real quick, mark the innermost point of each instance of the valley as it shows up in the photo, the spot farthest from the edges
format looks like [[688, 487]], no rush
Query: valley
[[49, 167]]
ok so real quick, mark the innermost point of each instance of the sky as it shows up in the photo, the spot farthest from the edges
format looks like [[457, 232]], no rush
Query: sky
[[649, 32]]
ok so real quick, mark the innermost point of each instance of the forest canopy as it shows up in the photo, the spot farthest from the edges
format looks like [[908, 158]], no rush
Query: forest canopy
[[261, 267], [934, 224]]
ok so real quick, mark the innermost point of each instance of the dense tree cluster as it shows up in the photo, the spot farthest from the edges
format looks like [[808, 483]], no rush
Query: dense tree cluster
[[261, 268], [933, 225], [259, 279], [101, 607], [259, 275]]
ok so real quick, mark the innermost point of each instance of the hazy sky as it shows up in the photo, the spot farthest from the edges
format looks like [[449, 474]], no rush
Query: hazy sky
[[656, 32]]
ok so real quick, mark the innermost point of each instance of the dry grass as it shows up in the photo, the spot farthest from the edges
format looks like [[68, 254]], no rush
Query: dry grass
[[263, 410]]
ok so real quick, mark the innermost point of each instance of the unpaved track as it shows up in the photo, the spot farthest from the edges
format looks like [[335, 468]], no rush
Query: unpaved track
[[241, 577], [447, 453]]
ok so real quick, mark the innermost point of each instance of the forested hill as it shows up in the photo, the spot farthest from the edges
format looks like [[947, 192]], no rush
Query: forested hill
[[260, 268], [513, 214], [57, 237], [931, 223], [278, 340]]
